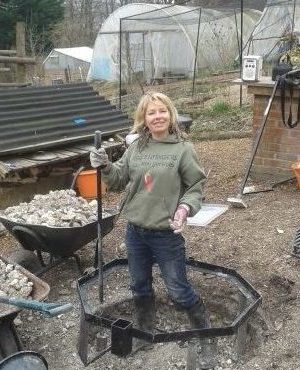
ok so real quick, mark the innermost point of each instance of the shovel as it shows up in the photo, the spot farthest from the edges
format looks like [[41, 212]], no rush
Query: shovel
[[238, 201], [49, 309]]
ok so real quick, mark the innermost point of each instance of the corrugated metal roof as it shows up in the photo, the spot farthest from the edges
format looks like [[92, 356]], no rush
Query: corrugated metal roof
[[82, 53], [36, 118]]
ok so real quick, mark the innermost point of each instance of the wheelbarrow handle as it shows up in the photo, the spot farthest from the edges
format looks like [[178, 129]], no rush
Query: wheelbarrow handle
[[19, 230], [75, 176], [49, 309], [81, 168]]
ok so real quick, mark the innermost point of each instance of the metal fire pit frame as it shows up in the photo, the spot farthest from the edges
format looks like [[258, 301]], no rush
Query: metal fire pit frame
[[122, 331]]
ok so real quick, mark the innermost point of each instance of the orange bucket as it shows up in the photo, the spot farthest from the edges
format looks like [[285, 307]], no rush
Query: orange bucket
[[86, 183], [296, 169]]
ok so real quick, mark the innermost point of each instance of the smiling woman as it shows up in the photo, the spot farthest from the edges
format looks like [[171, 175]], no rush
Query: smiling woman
[[156, 114], [157, 119], [163, 179]]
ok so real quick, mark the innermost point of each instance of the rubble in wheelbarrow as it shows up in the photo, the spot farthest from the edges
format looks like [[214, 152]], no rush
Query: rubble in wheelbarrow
[[13, 282], [58, 208]]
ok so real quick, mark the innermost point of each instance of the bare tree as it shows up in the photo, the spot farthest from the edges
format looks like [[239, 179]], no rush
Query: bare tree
[[83, 19], [35, 40], [79, 26]]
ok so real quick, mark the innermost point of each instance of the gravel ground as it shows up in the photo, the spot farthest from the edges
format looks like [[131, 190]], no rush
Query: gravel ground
[[256, 242]]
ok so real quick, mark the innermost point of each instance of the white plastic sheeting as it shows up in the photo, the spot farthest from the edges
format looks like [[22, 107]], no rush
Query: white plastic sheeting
[[158, 39], [276, 22], [83, 53]]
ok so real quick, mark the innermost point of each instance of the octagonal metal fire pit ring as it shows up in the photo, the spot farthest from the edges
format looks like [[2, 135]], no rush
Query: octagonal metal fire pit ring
[[122, 331]]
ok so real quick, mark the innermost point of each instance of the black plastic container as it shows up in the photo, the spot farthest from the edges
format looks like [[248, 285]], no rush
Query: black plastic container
[[280, 69]]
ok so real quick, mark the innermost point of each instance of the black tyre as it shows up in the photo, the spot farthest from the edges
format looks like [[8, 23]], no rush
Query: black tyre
[[26, 259]]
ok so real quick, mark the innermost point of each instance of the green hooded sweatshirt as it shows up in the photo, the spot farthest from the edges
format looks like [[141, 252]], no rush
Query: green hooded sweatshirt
[[157, 178]]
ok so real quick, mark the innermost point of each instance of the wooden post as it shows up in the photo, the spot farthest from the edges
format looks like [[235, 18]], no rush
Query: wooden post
[[21, 51]]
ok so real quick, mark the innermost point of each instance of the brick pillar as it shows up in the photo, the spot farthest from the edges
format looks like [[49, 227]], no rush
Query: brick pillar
[[279, 146]]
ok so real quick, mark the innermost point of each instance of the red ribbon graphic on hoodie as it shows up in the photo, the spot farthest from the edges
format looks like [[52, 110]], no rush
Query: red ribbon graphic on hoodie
[[148, 182]]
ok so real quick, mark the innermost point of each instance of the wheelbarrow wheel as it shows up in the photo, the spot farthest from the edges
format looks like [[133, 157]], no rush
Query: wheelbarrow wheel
[[9, 341], [26, 259]]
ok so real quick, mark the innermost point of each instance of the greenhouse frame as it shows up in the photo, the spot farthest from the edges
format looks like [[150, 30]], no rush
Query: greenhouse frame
[[153, 43], [277, 30]]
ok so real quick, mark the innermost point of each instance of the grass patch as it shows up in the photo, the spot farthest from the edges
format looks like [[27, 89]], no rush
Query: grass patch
[[218, 108], [221, 116]]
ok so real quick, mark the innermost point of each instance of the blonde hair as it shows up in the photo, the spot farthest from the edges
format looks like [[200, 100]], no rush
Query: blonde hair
[[139, 126]]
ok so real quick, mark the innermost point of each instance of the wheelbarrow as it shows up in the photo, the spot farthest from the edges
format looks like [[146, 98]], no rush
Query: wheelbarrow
[[59, 242], [9, 341], [12, 355]]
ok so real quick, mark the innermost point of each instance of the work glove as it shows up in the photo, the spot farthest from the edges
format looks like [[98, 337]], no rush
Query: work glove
[[98, 158], [179, 220]]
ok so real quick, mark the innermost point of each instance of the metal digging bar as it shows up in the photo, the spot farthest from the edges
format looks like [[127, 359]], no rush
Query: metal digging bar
[[123, 331], [238, 201]]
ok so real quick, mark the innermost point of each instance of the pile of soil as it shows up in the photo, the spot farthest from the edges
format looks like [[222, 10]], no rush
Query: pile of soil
[[256, 242]]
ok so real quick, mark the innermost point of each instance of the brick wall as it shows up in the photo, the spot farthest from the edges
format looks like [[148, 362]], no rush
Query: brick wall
[[279, 146]]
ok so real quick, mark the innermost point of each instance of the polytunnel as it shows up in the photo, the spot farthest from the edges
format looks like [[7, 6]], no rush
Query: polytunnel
[[276, 31], [153, 42]]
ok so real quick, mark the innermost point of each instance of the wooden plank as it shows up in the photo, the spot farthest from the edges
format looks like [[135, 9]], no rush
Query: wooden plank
[[4, 169], [84, 147], [13, 84], [8, 52], [71, 152], [17, 60], [15, 164], [19, 163], [77, 151]]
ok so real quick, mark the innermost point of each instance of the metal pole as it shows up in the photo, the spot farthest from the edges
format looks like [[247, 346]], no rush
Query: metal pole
[[196, 52], [120, 63], [144, 56], [237, 35], [293, 22], [98, 139], [241, 52]]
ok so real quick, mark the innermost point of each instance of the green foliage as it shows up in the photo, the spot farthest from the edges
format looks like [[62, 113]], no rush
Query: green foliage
[[218, 108], [6, 31], [39, 15]]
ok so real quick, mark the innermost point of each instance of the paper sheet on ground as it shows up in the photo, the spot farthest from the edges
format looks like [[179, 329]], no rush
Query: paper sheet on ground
[[207, 214]]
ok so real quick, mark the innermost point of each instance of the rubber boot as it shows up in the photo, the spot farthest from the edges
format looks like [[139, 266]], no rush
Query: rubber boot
[[198, 315], [202, 353], [144, 320]]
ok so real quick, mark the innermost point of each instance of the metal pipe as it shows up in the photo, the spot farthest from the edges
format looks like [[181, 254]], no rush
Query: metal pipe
[[241, 52], [99, 225], [293, 23], [120, 62], [196, 52]]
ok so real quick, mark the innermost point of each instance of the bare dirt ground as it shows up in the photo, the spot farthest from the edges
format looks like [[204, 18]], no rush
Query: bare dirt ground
[[256, 242]]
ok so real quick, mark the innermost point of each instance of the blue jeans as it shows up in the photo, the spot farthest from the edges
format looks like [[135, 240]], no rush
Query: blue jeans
[[144, 248]]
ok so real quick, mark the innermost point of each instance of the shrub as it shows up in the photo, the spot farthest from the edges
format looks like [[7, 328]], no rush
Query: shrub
[[219, 108]]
